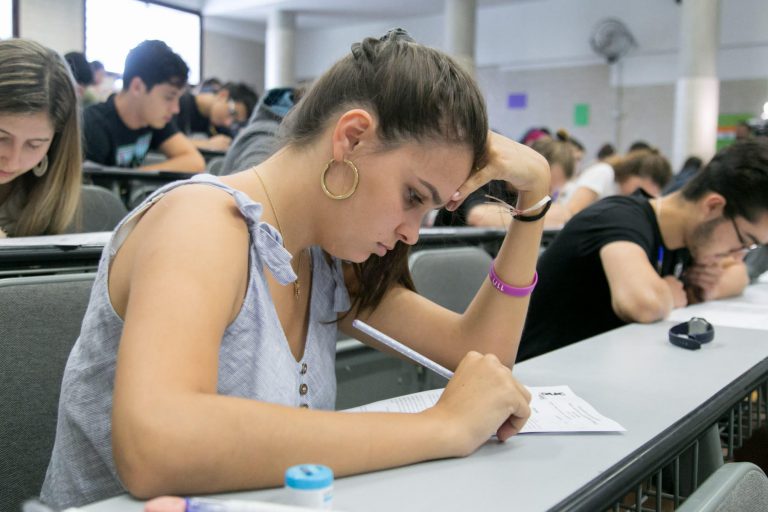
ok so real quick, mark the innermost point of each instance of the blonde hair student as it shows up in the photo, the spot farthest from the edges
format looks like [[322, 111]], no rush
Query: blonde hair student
[[206, 358], [40, 154]]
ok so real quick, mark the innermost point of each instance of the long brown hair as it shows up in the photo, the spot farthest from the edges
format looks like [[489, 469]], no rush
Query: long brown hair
[[418, 94], [35, 79]]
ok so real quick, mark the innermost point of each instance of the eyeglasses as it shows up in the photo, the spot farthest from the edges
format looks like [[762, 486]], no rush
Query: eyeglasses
[[232, 109], [745, 247]]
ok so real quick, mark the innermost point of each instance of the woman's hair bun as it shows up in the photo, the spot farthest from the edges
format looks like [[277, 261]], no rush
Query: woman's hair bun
[[397, 34], [562, 135], [367, 50]]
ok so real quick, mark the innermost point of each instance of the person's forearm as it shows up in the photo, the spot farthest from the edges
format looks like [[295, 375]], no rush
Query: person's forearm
[[495, 320], [489, 215], [733, 281], [159, 448], [192, 162], [203, 144], [646, 308]]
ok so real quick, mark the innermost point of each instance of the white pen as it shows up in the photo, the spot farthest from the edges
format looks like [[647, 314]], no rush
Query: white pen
[[399, 347]]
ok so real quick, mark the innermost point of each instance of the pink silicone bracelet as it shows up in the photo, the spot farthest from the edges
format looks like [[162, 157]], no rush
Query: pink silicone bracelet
[[508, 289]]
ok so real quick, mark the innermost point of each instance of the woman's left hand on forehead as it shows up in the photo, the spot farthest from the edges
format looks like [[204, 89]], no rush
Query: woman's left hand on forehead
[[519, 165]]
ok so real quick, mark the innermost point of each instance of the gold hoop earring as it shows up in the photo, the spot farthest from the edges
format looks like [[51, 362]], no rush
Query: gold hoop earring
[[345, 195], [40, 169]]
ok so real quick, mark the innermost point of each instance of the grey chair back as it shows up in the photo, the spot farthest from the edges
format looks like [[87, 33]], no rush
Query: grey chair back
[[101, 209], [735, 487], [40, 320], [450, 276]]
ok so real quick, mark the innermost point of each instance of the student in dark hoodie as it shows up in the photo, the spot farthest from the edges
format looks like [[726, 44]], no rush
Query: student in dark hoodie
[[258, 140]]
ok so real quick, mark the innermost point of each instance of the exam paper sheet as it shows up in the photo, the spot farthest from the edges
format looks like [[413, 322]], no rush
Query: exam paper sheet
[[98, 238], [553, 409]]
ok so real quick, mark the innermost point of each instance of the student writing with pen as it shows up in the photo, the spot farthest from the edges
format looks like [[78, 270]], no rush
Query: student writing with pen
[[206, 358]]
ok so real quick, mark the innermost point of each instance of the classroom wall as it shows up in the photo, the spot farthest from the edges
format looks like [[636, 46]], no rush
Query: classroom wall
[[541, 48], [553, 94], [234, 59], [545, 34]]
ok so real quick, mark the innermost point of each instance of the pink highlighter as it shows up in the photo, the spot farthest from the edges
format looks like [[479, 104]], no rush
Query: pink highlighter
[[177, 504]]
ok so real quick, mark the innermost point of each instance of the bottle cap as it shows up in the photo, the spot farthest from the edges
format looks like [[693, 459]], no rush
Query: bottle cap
[[308, 476]]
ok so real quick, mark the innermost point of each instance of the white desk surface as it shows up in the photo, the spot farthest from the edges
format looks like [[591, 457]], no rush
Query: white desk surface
[[632, 375], [748, 310]]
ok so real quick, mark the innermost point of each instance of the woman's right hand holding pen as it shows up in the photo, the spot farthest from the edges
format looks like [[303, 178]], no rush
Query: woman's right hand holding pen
[[482, 399]]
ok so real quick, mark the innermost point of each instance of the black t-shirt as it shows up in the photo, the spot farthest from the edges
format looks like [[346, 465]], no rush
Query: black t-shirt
[[189, 119], [496, 188], [572, 300], [108, 141]]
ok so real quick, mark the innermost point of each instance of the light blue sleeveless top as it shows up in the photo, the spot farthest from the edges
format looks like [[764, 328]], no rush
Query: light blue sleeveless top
[[255, 360]]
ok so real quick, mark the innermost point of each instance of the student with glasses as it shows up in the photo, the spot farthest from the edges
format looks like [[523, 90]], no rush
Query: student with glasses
[[745, 245], [634, 259], [216, 116]]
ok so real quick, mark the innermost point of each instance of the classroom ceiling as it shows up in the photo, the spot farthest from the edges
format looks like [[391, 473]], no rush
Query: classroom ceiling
[[313, 13]]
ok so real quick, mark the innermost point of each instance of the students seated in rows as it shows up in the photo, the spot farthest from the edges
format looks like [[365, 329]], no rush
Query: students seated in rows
[[100, 88], [480, 210], [622, 174], [216, 115], [121, 131], [206, 359], [635, 258], [40, 154]]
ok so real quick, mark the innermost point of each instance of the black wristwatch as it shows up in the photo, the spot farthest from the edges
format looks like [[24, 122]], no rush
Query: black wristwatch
[[692, 334]]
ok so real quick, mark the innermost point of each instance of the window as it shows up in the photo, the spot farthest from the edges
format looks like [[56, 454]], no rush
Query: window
[[7, 18], [114, 27]]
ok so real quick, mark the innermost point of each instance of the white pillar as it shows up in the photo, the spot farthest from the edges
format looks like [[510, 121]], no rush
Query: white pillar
[[460, 32], [280, 44], [697, 93]]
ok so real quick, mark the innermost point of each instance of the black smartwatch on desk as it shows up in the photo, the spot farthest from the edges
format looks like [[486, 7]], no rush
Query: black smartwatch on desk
[[692, 334]]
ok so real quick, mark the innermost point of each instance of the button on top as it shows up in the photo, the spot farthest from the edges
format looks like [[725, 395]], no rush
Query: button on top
[[303, 368], [303, 389]]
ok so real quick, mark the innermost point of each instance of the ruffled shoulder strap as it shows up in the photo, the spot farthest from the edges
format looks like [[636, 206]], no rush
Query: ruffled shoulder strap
[[268, 241]]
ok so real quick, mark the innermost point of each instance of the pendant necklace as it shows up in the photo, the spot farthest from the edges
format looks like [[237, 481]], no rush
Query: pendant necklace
[[296, 284]]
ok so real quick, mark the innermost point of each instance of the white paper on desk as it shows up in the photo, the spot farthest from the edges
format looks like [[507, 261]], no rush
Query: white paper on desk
[[99, 238], [553, 409], [559, 409]]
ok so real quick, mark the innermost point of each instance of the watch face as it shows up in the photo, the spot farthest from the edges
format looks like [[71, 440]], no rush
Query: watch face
[[697, 326]]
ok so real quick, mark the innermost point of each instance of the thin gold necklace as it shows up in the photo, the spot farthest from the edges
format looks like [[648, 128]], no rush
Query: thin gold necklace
[[296, 285]]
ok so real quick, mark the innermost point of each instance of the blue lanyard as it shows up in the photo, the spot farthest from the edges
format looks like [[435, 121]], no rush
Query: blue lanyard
[[678, 270], [660, 259]]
